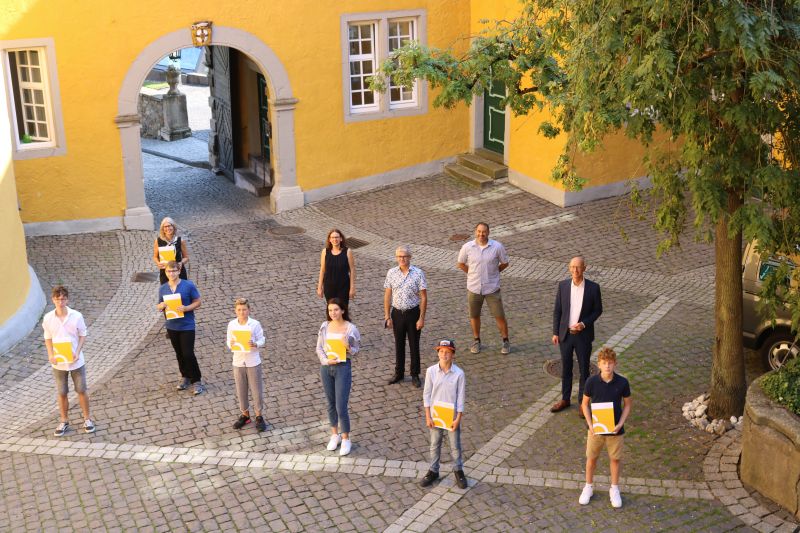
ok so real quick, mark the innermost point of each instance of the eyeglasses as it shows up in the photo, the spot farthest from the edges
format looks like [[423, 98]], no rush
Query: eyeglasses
[[403, 256]]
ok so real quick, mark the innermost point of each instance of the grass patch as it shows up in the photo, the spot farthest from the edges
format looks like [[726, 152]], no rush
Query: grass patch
[[155, 84]]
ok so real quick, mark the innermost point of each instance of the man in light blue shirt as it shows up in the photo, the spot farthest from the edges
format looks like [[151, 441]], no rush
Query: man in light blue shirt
[[442, 397], [483, 259]]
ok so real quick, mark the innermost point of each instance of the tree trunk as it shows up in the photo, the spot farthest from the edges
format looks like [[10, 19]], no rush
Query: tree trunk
[[728, 386]]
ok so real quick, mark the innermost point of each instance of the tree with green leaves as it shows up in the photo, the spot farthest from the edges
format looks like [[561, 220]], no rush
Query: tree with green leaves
[[719, 80]]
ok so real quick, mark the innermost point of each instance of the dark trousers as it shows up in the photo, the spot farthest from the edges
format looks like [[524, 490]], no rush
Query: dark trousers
[[183, 344], [582, 346], [404, 324]]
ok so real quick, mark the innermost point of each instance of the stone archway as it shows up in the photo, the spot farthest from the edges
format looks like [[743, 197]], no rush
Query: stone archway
[[286, 194]]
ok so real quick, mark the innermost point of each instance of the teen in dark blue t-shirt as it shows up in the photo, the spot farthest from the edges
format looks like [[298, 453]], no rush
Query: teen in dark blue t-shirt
[[608, 387], [181, 330]]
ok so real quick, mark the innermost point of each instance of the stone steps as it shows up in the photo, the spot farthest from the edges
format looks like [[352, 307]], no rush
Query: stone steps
[[480, 168], [245, 179]]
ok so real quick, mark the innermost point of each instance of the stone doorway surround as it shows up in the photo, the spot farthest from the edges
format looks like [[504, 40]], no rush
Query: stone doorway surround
[[285, 195]]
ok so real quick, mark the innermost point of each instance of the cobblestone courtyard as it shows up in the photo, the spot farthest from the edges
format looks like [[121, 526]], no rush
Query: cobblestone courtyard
[[164, 460]]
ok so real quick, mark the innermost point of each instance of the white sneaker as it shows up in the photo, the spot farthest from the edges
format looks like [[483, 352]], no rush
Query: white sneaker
[[334, 442], [345, 449], [614, 496], [88, 426], [586, 494]]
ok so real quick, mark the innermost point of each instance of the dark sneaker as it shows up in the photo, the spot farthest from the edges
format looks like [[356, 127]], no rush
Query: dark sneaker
[[461, 479], [61, 429], [429, 478], [260, 424], [415, 381], [395, 379], [239, 424], [185, 384], [199, 388]]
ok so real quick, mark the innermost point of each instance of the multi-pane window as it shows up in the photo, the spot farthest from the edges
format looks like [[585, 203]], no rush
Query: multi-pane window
[[361, 42], [31, 99], [401, 32], [369, 42]]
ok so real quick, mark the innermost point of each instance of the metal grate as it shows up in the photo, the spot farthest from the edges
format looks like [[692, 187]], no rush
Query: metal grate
[[145, 277], [354, 243], [553, 368], [286, 230]]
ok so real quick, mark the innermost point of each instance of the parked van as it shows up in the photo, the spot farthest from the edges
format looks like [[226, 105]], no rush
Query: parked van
[[777, 343]]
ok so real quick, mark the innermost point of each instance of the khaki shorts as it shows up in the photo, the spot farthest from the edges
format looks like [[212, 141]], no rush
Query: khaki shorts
[[494, 301], [613, 443]]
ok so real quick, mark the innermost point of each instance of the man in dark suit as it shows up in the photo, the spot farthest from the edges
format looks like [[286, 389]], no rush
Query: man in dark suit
[[578, 305]]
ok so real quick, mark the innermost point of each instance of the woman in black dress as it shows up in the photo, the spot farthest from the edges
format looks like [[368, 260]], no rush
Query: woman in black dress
[[170, 243], [337, 269]]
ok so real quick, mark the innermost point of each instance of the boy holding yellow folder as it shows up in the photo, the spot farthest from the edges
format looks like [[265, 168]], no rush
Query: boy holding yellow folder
[[64, 335], [443, 398], [608, 387]]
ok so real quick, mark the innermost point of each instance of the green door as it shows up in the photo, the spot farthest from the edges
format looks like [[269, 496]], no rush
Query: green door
[[264, 127], [494, 118]]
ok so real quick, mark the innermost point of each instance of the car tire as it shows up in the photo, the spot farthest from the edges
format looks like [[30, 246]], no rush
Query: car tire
[[778, 348]]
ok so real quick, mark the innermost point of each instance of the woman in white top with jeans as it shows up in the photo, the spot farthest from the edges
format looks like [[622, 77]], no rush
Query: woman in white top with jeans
[[337, 376]]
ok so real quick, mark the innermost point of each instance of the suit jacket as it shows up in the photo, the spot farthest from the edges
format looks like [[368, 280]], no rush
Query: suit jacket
[[591, 309]]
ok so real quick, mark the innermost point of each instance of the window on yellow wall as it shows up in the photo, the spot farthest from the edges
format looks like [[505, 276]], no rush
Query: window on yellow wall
[[368, 39], [32, 96], [401, 32], [361, 40], [31, 99]]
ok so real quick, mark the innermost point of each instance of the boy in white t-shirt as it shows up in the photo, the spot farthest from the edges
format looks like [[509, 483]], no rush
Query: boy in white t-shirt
[[64, 335]]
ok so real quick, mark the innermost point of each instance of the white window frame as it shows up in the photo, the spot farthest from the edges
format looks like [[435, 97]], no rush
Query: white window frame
[[383, 107], [412, 102], [52, 93], [360, 59]]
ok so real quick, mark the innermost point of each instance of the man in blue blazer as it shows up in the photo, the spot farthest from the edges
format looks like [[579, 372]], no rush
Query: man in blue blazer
[[578, 305]]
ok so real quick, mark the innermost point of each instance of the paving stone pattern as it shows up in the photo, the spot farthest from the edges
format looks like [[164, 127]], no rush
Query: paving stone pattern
[[162, 459], [67, 260]]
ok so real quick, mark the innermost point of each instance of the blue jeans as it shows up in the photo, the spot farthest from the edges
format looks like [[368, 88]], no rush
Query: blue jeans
[[336, 379], [437, 434]]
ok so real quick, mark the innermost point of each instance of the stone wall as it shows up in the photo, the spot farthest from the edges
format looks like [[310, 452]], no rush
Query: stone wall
[[151, 113], [771, 450]]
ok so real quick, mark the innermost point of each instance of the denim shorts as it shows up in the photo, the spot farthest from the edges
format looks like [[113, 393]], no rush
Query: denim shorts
[[78, 380]]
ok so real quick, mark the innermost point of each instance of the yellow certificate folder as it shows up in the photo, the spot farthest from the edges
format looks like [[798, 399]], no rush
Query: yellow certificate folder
[[166, 253], [241, 340], [62, 351], [443, 414], [603, 418], [335, 348], [172, 301]]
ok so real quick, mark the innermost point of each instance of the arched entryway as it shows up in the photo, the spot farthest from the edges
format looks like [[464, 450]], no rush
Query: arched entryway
[[286, 194]]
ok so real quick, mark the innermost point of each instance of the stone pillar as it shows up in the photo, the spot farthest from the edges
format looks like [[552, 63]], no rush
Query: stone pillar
[[286, 194], [137, 214], [176, 118]]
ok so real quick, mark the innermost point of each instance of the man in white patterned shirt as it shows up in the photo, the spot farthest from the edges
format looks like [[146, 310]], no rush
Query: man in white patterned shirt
[[405, 301]]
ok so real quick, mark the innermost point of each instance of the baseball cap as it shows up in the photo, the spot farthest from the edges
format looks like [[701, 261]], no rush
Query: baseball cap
[[446, 343]]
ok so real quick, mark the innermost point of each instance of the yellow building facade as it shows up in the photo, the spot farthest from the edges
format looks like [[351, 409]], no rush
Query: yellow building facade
[[21, 298], [531, 157], [73, 71]]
